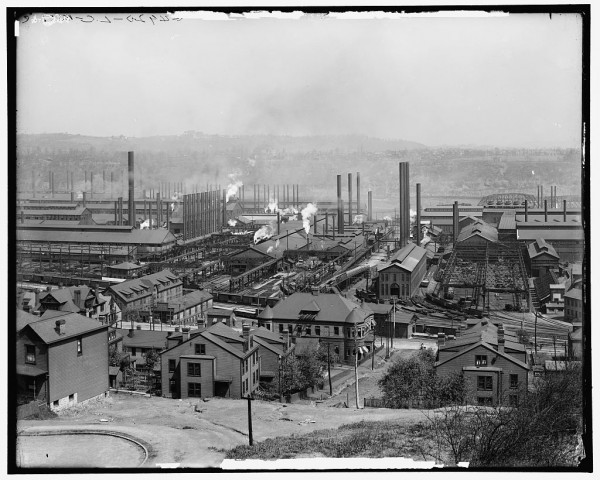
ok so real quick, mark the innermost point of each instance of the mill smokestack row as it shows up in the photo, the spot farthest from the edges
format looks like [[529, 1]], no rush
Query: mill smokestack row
[[404, 194], [349, 199], [526, 210], [358, 209], [455, 220], [418, 232], [131, 200], [224, 218], [340, 206]]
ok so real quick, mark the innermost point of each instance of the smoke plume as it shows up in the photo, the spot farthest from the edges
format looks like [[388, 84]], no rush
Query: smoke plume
[[307, 213], [231, 222], [263, 233], [358, 219], [233, 187]]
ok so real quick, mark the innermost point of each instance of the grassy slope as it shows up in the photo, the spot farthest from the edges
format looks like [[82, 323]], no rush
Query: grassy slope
[[362, 439]]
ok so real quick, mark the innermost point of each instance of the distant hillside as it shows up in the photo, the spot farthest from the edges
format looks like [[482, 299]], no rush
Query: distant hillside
[[200, 141]]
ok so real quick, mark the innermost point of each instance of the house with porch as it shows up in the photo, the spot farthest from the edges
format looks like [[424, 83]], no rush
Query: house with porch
[[323, 318], [213, 362]]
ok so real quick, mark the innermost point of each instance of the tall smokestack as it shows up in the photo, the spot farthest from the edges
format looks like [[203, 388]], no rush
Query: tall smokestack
[[326, 222], [224, 219], [340, 212], [84, 199], [120, 200], [418, 214], [357, 193], [278, 222], [541, 195], [455, 220], [91, 184], [564, 210], [545, 210], [526, 210], [72, 196], [131, 200], [370, 206], [116, 212], [404, 195], [349, 199]]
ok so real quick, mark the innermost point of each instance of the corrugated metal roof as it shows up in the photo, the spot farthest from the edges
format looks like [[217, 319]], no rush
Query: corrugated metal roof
[[133, 237], [481, 229], [549, 234], [144, 284], [406, 258]]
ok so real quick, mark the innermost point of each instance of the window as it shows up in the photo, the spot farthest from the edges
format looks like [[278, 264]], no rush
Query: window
[[55, 403], [172, 365], [281, 328], [308, 331], [336, 330], [484, 382], [318, 330], [480, 360], [171, 386], [514, 380], [200, 349], [347, 352], [71, 397], [79, 346], [194, 390], [30, 354], [486, 401], [193, 370], [290, 328], [268, 326], [133, 351]]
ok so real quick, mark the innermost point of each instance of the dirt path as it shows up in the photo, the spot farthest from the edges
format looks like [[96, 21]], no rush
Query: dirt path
[[176, 432]]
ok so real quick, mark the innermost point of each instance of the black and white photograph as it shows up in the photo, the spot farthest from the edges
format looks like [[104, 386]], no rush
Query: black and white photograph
[[315, 239]]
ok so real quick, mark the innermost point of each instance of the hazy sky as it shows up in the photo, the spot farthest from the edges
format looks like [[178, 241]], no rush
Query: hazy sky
[[504, 81]]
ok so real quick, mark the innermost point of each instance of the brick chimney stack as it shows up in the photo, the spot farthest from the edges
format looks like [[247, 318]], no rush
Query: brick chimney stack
[[500, 338], [286, 339], [60, 327], [246, 335], [186, 333], [441, 341]]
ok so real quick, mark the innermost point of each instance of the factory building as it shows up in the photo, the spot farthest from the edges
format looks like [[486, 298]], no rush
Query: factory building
[[79, 216], [541, 257], [401, 276]]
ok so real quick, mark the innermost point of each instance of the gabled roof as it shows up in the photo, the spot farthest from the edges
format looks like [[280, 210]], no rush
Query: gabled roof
[[266, 334], [143, 285], [406, 258], [332, 307], [480, 229], [541, 247], [270, 346], [266, 314], [75, 325], [485, 331], [189, 300], [24, 318], [488, 347], [221, 330], [378, 308], [144, 338], [574, 293]]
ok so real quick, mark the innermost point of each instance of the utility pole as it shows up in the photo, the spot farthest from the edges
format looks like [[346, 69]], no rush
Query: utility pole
[[249, 398], [535, 333], [329, 372], [555, 362], [373, 355], [279, 371], [356, 365], [393, 322]]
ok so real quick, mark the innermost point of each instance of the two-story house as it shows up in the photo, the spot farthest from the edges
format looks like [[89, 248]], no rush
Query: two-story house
[[62, 360], [492, 362], [323, 318], [213, 362]]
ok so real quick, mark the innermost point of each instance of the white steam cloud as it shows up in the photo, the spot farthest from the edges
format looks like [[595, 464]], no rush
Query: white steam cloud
[[233, 187], [307, 213], [270, 249], [272, 207], [358, 219], [264, 232], [231, 222], [388, 218]]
